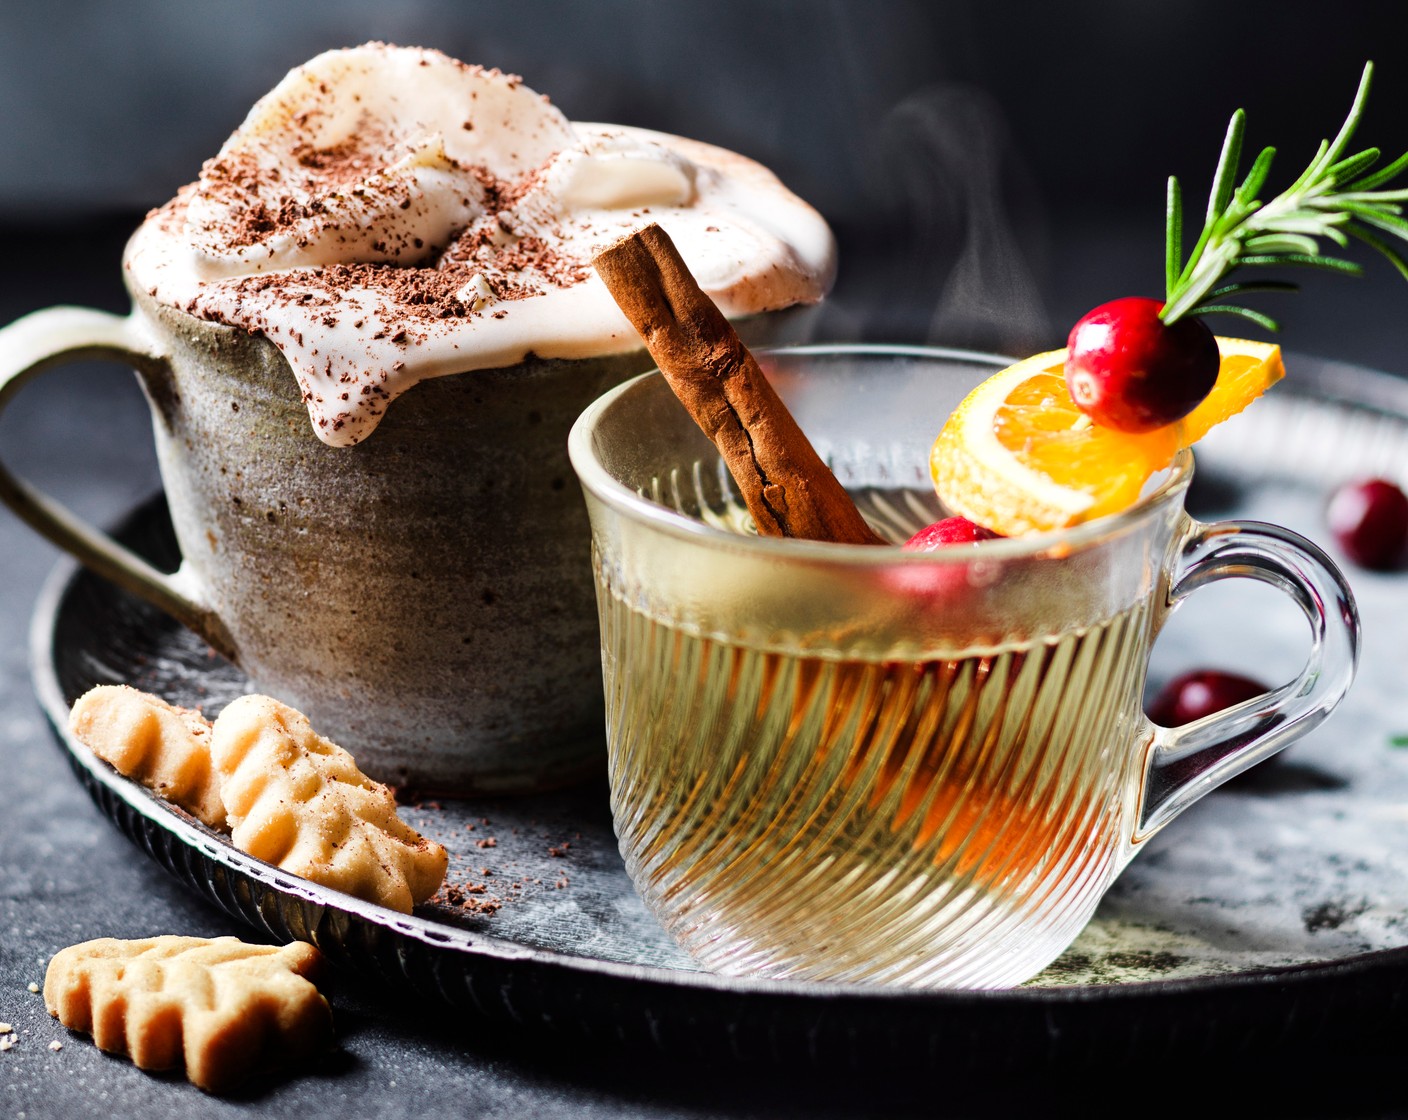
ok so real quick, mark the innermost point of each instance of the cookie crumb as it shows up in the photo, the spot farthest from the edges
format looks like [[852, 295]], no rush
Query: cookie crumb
[[33, 987], [5, 1028], [56, 1045], [6, 1041]]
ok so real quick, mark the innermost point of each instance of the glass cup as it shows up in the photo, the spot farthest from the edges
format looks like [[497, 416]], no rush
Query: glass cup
[[834, 762]]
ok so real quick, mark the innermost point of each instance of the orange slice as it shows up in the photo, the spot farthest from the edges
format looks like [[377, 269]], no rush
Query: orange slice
[[1018, 457]]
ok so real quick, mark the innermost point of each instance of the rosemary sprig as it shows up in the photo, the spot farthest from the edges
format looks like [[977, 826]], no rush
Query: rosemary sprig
[[1336, 197]]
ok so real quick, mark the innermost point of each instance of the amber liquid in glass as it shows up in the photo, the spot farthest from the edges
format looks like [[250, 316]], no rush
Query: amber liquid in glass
[[895, 812]]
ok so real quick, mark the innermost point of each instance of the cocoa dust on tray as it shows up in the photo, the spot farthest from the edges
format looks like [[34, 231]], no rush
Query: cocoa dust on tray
[[484, 890]]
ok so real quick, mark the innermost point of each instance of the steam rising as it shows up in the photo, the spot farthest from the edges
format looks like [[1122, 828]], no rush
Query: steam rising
[[950, 160]]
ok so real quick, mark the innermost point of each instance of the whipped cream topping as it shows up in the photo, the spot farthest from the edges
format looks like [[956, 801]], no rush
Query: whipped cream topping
[[389, 214]]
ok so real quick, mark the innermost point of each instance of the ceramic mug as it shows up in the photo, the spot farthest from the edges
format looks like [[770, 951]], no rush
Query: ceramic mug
[[425, 596], [833, 762]]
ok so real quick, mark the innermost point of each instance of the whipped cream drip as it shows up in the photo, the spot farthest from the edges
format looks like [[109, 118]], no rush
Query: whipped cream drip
[[388, 214]]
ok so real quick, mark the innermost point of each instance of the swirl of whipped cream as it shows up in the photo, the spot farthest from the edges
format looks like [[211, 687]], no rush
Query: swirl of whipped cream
[[387, 214]]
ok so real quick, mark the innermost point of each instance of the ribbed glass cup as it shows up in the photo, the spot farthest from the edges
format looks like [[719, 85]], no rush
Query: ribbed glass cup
[[850, 763]]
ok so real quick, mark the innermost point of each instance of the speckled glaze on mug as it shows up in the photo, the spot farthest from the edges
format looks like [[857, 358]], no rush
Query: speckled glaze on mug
[[424, 596]]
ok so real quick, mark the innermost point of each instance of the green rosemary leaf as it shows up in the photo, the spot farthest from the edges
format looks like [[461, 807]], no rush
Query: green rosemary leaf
[[1351, 166], [1286, 215], [1312, 225], [1372, 204], [1212, 264], [1380, 219], [1328, 152], [1356, 111], [1306, 260], [1256, 177], [1394, 257], [1264, 321], [1282, 243], [1173, 233], [1375, 196], [1309, 173], [1382, 175], [1254, 286], [1190, 265], [1222, 180]]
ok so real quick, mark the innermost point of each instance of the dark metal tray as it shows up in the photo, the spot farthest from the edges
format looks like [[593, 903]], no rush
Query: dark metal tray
[[1272, 914]]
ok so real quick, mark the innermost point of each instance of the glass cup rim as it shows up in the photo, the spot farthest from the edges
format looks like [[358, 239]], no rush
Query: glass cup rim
[[595, 478]]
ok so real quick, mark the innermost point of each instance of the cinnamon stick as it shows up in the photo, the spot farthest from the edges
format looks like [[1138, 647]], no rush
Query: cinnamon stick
[[789, 490]]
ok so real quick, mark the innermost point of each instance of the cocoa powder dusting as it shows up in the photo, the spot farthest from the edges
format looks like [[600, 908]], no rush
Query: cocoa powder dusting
[[512, 268], [258, 203], [483, 891], [467, 898]]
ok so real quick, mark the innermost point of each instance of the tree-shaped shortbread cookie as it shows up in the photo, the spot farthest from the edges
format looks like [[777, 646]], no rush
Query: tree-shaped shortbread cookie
[[220, 1006], [165, 748], [297, 800]]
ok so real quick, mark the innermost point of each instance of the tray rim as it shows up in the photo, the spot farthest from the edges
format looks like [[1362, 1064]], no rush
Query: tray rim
[[1325, 380]]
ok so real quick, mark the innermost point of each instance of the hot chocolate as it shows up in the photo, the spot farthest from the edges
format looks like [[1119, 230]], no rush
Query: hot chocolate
[[413, 574], [385, 215]]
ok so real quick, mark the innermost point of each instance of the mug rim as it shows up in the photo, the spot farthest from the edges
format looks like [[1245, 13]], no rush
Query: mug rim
[[600, 483]]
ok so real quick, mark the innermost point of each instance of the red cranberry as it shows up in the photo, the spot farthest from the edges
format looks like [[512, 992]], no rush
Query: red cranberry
[[938, 583], [1370, 521], [1195, 695], [1126, 369], [947, 532]]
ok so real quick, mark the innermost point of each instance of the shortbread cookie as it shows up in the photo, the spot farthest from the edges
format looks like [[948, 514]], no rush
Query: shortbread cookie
[[221, 1007], [165, 748], [296, 800]]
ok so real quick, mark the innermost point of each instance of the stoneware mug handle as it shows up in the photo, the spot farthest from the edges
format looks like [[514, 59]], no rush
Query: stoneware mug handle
[[43, 341], [1183, 763]]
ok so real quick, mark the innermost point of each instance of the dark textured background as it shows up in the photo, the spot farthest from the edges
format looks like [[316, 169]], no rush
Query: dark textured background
[[992, 169]]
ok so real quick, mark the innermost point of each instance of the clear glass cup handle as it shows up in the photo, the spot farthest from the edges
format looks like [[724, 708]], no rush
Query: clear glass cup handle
[[1183, 763]]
